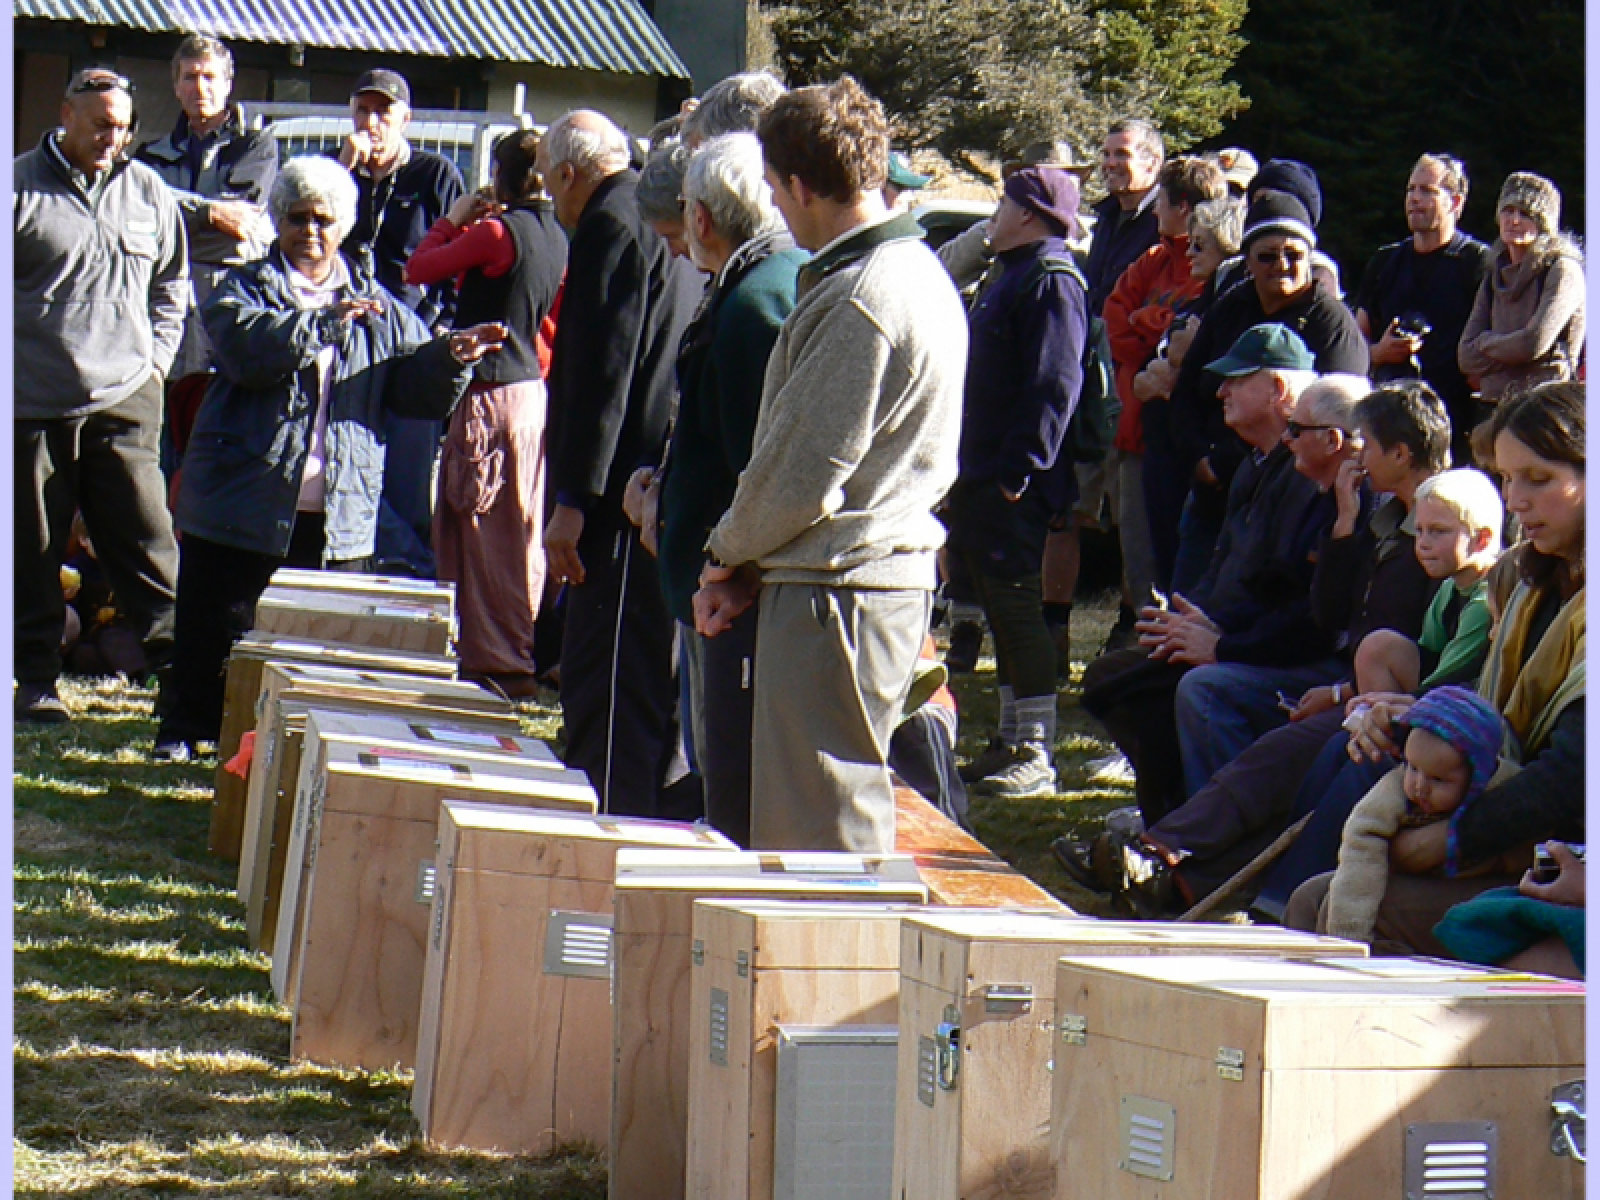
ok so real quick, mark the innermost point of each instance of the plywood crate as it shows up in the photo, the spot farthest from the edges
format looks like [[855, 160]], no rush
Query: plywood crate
[[514, 1048], [1235, 1079], [654, 948], [959, 869], [977, 998], [765, 965], [353, 922], [421, 624], [241, 690], [446, 707]]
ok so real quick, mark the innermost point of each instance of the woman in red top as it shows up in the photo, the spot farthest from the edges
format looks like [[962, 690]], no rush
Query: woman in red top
[[508, 256]]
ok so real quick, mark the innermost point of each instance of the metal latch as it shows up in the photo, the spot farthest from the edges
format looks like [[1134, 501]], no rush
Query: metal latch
[[697, 953], [1230, 1063], [947, 1037], [741, 964], [1569, 1122], [1074, 1029], [1011, 998]]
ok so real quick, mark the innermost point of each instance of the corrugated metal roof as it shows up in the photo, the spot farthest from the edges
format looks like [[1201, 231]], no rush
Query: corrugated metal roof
[[146, 15], [392, 26], [594, 35], [603, 35]]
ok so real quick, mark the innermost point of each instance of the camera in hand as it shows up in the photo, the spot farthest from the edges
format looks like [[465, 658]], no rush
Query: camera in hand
[[1545, 868], [1413, 325]]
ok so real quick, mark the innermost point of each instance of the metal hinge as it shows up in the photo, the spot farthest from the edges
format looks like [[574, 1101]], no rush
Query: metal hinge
[[1074, 1029], [741, 964], [697, 953]]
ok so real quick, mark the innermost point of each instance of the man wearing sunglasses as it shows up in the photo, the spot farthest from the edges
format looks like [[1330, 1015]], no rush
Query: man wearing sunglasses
[[100, 291], [1278, 246]]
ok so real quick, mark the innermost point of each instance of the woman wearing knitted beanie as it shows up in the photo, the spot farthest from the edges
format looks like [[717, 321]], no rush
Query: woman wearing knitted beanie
[[1527, 324]]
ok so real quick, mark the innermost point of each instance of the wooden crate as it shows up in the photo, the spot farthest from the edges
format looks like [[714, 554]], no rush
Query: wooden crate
[[419, 624], [1232, 1079], [243, 686], [353, 922], [765, 965], [288, 693], [991, 977], [959, 869], [654, 948], [514, 1049]]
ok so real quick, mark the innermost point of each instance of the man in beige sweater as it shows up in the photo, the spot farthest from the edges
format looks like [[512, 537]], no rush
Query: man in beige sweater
[[832, 520]]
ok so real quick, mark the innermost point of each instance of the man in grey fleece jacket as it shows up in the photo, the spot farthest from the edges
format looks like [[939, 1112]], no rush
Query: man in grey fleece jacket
[[832, 519], [100, 291]]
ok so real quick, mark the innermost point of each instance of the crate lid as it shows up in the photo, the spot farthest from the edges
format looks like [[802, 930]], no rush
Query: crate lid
[[1339, 1013], [938, 935], [857, 870], [437, 733], [801, 935], [353, 604], [268, 646], [307, 674], [527, 841], [369, 777], [349, 581]]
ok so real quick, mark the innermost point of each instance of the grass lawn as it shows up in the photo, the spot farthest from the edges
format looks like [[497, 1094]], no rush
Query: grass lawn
[[151, 1058]]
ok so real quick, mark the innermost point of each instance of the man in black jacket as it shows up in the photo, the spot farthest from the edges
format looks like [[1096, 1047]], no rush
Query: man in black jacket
[[626, 305], [403, 191]]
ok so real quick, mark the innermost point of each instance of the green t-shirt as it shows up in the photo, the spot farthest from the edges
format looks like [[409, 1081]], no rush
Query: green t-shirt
[[1461, 645]]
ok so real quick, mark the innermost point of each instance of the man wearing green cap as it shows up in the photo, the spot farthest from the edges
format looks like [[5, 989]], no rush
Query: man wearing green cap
[[1252, 603], [902, 182]]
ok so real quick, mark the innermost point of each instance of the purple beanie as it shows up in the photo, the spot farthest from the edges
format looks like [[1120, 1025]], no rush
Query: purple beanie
[[1468, 722], [1049, 192]]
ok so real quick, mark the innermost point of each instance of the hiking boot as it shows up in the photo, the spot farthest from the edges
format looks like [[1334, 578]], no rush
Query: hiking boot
[[1028, 773], [995, 756], [966, 642], [1089, 863], [1061, 636], [172, 751], [38, 704], [1146, 887], [1122, 634]]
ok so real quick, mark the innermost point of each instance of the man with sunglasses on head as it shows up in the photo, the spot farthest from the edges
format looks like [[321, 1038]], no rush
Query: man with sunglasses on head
[[101, 288], [220, 174], [403, 191], [1278, 245]]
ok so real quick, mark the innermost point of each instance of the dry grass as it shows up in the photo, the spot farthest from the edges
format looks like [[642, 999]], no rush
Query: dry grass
[[151, 1058]]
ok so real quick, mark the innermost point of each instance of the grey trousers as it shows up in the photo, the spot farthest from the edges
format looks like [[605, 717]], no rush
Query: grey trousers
[[833, 666]]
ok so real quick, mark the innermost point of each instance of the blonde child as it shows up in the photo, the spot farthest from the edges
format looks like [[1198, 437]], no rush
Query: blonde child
[[1458, 515]]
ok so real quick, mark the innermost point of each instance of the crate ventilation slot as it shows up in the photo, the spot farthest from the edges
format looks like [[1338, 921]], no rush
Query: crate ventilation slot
[[1149, 1131], [719, 1027], [578, 944], [1451, 1161]]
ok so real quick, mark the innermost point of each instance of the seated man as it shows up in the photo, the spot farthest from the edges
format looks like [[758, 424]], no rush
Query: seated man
[[1252, 603], [1367, 575]]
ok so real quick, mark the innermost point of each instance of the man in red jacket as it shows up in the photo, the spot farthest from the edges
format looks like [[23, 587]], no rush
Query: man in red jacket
[[1137, 315]]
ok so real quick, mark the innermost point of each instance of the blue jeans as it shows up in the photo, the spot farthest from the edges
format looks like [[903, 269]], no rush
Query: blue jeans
[[405, 511], [1197, 540], [1222, 708]]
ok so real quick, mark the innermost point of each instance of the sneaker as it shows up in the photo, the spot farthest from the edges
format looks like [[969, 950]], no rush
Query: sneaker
[[38, 704], [172, 751], [1112, 769], [1029, 773], [994, 757], [966, 642]]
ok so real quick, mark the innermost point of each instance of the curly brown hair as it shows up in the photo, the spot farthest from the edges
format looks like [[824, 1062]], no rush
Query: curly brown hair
[[832, 137]]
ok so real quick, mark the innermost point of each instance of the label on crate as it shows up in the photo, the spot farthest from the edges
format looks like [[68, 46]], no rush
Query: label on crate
[[813, 864], [466, 737], [399, 762]]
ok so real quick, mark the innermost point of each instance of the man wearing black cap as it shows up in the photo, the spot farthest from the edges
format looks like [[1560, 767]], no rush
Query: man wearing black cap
[[402, 193], [1279, 239], [1024, 372]]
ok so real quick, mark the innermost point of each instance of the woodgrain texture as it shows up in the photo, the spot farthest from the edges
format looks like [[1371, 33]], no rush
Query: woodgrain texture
[[408, 623], [960, 870]]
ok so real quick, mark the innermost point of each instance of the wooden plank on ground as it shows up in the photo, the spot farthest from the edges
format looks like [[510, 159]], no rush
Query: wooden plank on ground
[[959, 869]]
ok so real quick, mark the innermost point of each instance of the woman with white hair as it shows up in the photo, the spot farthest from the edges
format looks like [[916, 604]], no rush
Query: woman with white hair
[[285, 463]]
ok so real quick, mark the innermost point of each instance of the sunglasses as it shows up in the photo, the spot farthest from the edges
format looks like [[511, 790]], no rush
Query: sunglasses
[[1288, 254], [102, 83], [1295, 429], [305, 220]]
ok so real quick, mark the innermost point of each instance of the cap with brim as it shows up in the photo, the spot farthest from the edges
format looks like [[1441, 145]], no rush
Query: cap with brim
[[1059, 155], [902, 176], [386, 83], [1267, 347], [1238, 166]]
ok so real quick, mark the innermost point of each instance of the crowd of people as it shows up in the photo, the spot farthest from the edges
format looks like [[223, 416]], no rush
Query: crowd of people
[[718, 407]]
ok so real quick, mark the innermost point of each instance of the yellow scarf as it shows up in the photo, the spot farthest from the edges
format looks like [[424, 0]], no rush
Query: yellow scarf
[[1532, 695]]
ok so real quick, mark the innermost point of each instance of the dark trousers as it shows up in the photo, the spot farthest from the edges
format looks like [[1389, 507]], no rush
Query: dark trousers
[[108, 465], [405, 509], [1166, 486], [1134, 695], [218, 587], [619, 693], [727, 724], [923, 753], [1244, 806], [1001, 544]]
